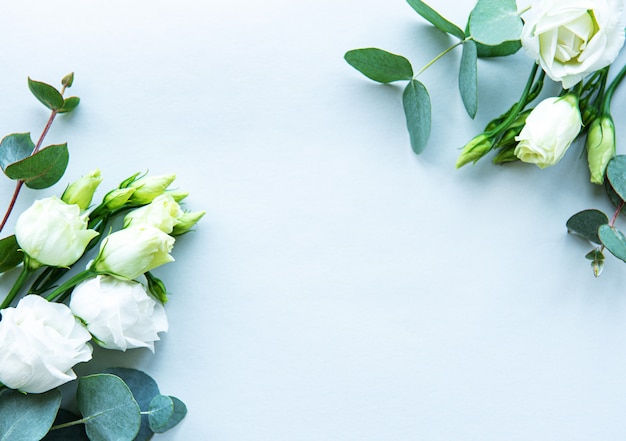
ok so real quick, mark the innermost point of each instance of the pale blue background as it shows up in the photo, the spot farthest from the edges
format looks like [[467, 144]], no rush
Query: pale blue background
[[339, 288]]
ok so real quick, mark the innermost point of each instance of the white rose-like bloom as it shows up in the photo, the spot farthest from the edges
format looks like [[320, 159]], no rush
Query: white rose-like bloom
[[130, 252], [119, 313], [549, 130], [572, 38], [41, 342], [163, 213], [53, 233]]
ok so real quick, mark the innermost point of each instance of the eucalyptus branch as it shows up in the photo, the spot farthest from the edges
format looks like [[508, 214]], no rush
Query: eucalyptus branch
[[434, 60]]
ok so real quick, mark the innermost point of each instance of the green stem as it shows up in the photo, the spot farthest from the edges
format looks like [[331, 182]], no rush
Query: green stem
[[63, 289], [434, 60], [17, 286], [608, 95], [69, 424]]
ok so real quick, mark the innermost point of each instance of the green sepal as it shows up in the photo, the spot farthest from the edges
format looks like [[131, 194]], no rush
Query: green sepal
[[493, 22], [10, 254], [380, 65], [27, 416], [417, 110], [48, 95], [468, 78], [69, 104], [42, 169], [14, 148], [586, 223], [436, 19]]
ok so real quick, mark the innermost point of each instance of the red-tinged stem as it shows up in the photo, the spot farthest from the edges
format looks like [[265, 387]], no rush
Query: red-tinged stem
[[617, 212]]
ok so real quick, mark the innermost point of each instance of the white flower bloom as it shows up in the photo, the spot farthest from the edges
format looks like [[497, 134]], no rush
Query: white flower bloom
[[53, 233], [119, 313], [550, 129], [130, 252], [572, 38], [163, 213], [41, 342]]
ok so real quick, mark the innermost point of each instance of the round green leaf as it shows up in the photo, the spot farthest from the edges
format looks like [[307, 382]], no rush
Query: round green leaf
[[42, 169], [586, 223], [26, 417], [501, 50], [108, 407], [14, 148], [417, 110], [48, 95], [493, 22], [10, 254], [169, 411], [613, 240], [380, 65], [616, 174], [69, 104]]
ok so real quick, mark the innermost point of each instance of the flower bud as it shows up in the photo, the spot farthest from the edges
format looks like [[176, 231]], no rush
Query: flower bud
[[178, 195], [505, 155], [53, 233], [549, 131], [186, 222], [149, 187], [600, 147], [41, 343], [130, 252], [116, 199], [163, 213], [118, 313], [81, 191], [474, 150]]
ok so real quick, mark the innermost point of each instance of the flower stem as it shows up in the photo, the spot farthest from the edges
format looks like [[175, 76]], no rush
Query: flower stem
[[19, 283], [63, 290], [608, 94]]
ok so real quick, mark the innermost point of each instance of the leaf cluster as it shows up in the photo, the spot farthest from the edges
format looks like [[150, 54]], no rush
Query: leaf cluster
[[493, 29], [118, 404], [595, 226]]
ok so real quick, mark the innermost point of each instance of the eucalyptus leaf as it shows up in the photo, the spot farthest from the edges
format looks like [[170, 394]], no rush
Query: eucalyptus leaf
[[14, 148], [597, 261], [144, 389], [468, 78], [501, 50], [616, 174], [75, 432], [613, 196], [108, 407], [26, 417], [417, 110], [586, 223], [436, 19], [69, 104], [613, 240], [10, 254], [48, 95], [380, 65], [175, 414], [493, 22], [42, 169]]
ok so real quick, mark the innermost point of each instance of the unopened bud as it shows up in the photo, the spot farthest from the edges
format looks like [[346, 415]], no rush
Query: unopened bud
[[600, 147], [474, 150], [81, 191]]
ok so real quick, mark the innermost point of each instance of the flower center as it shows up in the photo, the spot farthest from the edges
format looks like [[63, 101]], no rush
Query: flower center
[[572, 39]]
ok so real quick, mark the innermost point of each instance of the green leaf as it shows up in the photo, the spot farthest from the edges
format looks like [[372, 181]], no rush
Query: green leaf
[[165, 413], [493, 22], [613, 240], [468, 78], [416, 103], [597, 261], [108, 406], [436, 19], [42, 169], [144, 389], [616, 174], [380, 65], [70, 433], [10, 254], [586, 223], [15, 147], [69, 104], [26, 417], [501, 50], [48, 95]]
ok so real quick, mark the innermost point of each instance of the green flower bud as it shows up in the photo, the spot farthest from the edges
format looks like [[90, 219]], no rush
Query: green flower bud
[[505, 155], [474, 150], [81, 192], [117, 198], [178, 195], [600, 147], [186, 222], [149, 187]]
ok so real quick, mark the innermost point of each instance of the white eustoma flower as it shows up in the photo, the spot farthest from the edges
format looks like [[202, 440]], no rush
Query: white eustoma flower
[[130, 252], [41, 342], [119, 313], [53, 233], [572, 38], [163, 213], [549, 130]]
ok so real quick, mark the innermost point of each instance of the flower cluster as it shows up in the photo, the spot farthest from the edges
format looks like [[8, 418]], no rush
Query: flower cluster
[[45, 337]]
